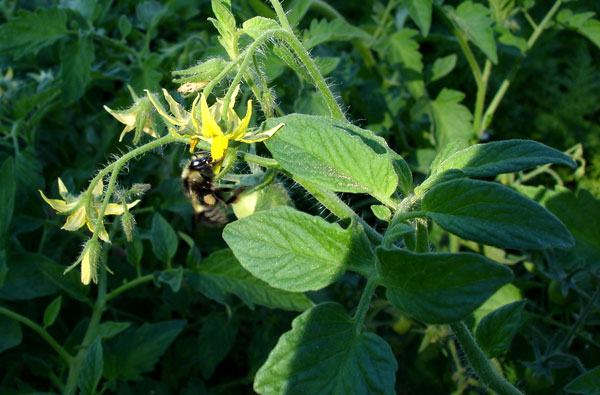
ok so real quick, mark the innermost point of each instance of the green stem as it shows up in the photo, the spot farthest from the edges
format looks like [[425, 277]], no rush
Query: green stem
[[40, 331], [462, 42], [493, 106], [480, 364], [313, 71], [283, 21], [128, 285], [480, 100], [334, 204], [422, 243], [90, 334], [567, 339], [262, 161], [363, 305]]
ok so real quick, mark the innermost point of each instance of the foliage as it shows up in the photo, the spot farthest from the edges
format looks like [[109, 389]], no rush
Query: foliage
[[400, 204]]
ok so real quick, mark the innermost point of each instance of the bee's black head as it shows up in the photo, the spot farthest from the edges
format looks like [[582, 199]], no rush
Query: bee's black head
[[202, 164]]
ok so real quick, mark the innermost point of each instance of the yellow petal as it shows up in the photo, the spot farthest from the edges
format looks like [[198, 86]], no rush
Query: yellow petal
[[233, 96], [75, 220], [126, 117], [98, 189], [195, 123], [218, 147], [262, 136], [86, 268], [175, 108], [243, 126], [102, 234], [126, 129], [62, 189], [117, 209], [59, 205], [160, 109], [193, 143], [210, 128]]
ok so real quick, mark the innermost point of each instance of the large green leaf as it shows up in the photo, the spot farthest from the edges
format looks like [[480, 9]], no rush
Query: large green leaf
[[29, 32], [474, 21], [221, 274], [439, 288], [420, 13], [490, 159], [137, 350], [76, 60], [334, 155], [11, 333], [336, 30], [295, 251], [402, 49], [164, 239], [442, 67], [587, 384], [91, 370], [215, 339], [24, 279], [451, 120], [497, 329], [8, 189], [324, 354], [492, 214]]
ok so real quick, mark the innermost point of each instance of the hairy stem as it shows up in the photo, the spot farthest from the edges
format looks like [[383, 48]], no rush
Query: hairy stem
[[493, 106], [40, 331], [363, 305], [480, 364]]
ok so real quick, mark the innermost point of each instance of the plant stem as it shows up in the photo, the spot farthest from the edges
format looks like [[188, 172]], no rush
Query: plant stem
[[128, 285], [480, 100], [422, 243], [363, 305], [262, 161], [283, 21], [334, 204], [462, 42], [480, 364], [40, 331], [493, 106], [567, 339], [90, 334]]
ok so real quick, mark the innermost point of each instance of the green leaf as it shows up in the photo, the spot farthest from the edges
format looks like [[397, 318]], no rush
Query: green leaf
[[24, 280], [8, 189], [507, 38], [402, 49], [510, 156], [505, 295], [492, 214], [587, 384], [591, 30], [215, 339], [439, 288], [124, 26], [149, 13], [497, 329], [451, 120], [70, 282], [442, 67], [164, 239], [255, 27], [86, 8], [11, 333], [173, 278], [3, 268], [51, 312], [76, 60], [324, 354], [28, 171], [381, 212], [473, 20], [420, 13], [336, 30], [295, 251], [137, 350], [91, 370], [221, 274], [110, 329], [29, 32], [325, 151], [135, 251]]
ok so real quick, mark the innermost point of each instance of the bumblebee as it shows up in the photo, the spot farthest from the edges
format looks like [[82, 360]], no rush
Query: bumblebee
[[209, 203]]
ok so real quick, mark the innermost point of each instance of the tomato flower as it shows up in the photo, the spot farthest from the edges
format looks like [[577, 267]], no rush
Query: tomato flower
[[84, 209]]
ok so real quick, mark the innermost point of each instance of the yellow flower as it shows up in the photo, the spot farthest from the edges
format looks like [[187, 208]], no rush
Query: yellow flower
[[137, 117], [89, 262], [236, 128], [84, 209]]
